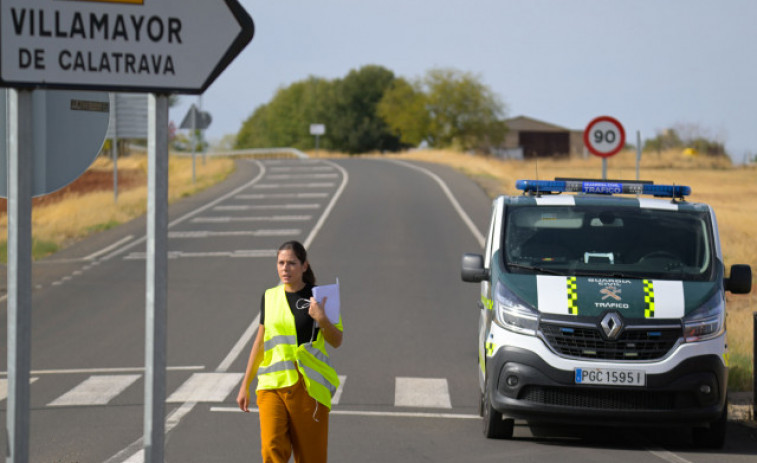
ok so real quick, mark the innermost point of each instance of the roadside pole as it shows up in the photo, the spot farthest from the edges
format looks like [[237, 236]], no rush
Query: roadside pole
[[157, 278], [20, 173], [754, 368]]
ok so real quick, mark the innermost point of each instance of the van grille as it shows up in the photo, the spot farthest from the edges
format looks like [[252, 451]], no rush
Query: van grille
[[606, 399], [633, 344]]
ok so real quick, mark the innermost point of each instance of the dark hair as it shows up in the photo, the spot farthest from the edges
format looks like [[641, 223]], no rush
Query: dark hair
[[299, 251]]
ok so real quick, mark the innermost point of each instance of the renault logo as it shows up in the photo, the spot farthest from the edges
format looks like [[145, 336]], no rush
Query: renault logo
[[611, 325]]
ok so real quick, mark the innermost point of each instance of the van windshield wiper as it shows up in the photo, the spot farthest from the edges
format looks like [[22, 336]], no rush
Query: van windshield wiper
[[535, 269], [604, 274]]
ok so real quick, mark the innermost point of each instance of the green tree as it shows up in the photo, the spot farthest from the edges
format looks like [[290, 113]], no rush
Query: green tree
[[353, 124], [285, 120], [404, 107], [464, 112]]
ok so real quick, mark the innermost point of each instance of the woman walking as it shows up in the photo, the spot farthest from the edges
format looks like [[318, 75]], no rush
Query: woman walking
[[295, 379]]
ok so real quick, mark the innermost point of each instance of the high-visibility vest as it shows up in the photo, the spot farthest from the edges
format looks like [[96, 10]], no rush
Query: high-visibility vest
[[282, 358]]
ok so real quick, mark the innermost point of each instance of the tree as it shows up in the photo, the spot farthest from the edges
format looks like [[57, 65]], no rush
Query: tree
[[447, 108], [404, 107], [354, 125], [464, 112]]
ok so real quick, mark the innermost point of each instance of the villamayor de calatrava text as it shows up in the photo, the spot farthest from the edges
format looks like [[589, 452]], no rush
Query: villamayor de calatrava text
[[85, 28]]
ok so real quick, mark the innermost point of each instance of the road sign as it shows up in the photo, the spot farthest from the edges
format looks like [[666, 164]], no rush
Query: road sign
[[196, 119], [317, 129], [69, 130], [166, 46], [604, 136]]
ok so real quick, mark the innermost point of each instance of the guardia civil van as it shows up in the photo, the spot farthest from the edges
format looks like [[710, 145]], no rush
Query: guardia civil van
[[603, 302]]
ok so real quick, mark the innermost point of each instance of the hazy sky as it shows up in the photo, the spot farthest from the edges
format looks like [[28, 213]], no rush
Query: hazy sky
[[651, 64]]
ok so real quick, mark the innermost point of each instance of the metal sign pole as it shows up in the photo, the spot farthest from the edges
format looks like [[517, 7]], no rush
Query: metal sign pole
[[20, 176], [157, 279], [114, 144]]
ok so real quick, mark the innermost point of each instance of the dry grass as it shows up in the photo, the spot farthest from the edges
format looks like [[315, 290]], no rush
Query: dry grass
[[80, 214], [730, 190]]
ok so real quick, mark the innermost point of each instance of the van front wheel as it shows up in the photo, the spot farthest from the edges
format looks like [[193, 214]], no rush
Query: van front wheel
[[495, 425], [712, 437]]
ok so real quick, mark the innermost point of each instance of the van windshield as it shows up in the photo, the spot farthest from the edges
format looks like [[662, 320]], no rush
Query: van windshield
[[608, 241]]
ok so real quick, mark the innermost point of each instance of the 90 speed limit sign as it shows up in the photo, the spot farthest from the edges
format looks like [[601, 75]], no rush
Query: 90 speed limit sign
[[604, 136]]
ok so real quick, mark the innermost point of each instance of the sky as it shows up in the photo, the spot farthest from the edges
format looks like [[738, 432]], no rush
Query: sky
[[651, 64]]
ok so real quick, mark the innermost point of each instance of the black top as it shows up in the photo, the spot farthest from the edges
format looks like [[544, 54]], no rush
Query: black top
[[299, 303]]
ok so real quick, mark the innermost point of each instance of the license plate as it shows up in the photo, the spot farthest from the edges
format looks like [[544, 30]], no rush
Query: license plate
[[610, 377]]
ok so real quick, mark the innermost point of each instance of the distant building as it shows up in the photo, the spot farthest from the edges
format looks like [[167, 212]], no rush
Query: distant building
[[528, 138]]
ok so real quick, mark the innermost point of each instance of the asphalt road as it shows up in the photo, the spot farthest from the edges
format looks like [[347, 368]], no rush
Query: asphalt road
[[393, 233]]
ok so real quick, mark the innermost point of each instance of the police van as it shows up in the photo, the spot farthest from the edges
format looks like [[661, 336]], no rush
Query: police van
[[603, 302]]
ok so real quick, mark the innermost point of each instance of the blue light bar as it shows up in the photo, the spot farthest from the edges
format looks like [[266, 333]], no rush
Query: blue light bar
[[602, 187]]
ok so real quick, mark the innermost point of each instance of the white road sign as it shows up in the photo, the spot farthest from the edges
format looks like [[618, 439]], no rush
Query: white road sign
[[120, 45], [604, 136]]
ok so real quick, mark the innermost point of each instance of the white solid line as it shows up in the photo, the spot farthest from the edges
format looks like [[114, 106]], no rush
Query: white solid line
[[95, 390], [105, 370], [261, 207], [107, 249], [370, 413], [667, 456], [240, 345], [198, 234], [471, 226], [325, 215], [421, 393], [270, 218]]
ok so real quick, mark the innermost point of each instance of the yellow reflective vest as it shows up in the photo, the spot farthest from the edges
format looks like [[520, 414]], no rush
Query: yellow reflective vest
[[282, 358]]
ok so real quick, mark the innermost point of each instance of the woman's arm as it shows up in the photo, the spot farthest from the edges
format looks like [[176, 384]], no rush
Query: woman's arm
[[331, 333], [256, 358]]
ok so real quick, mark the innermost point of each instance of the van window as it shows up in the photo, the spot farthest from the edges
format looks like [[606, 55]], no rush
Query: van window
[[600, 240]]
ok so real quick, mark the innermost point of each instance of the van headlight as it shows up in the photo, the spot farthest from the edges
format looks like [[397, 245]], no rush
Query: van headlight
[[707, 322], [512, 313]]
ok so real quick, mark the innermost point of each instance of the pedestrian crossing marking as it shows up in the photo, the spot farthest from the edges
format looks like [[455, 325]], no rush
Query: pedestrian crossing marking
[[206, 387], [95, 390], [270, 218], [274, 207], [4, 387], [421, 392], [197, 234], [338, 394]]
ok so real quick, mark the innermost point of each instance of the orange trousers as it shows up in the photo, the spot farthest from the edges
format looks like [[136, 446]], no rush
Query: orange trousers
[[291, 420]]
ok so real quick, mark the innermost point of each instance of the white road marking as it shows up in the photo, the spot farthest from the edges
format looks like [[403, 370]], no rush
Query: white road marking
[[421, 392], [4, 387], [206, 387], [459, 416], [243, 253], [270, 218], [466, 219], [107, 249], [276, 186], [105, 370], [300, 176], [96, 390], [282, 196], [667, 456], [338, 394], [262, 207], [215, 234]]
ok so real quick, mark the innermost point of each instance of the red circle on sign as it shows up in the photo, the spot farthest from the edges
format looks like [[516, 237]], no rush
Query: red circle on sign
[[605, 128]]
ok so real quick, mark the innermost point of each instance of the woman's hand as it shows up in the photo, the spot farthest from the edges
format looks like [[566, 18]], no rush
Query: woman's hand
[[316, 311], [243, 399]]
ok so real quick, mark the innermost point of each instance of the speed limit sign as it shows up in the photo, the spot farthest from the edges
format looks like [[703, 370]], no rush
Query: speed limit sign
[[604, 136]]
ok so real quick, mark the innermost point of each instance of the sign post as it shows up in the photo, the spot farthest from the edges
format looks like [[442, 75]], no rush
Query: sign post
[[604, 136], [317, 130], [136, 46]]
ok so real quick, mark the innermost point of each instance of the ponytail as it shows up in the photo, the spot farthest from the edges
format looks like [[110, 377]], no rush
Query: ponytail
[[302, 255]]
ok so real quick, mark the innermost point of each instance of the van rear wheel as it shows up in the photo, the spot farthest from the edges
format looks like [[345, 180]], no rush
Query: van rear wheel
[[495, 425]]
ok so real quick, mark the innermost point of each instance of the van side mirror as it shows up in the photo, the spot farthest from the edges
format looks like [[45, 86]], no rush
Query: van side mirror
[[740, 281], [473, 270]]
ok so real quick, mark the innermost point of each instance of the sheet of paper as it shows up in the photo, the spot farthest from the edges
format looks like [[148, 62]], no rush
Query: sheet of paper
[[331, 294]]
